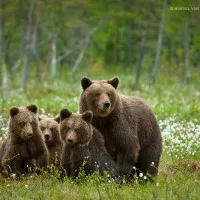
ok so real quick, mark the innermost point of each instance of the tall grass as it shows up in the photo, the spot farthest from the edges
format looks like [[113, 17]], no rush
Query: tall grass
[[177, 108]]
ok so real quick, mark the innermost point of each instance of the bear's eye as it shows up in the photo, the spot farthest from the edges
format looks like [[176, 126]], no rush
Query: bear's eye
[[67, 128], [97, 94], [42, 128], [51, 128], [108, 94]]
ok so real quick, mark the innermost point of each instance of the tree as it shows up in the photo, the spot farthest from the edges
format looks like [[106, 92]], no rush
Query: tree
[[159, 43], [27, 48], [186, 50], [2, 58]]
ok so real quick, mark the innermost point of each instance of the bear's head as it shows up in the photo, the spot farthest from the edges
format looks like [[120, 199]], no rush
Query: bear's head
[[99, 96], [50, 130], [76, 129], [23, 122]]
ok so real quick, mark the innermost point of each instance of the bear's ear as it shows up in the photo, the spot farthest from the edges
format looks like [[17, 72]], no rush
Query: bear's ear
[[64, 113], [14, 111], [114, 82], [87, 116], [33, 108], [57, 119], [85, 82]]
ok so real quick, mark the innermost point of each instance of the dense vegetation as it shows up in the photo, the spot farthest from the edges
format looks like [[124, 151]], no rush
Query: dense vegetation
[[45, 37], [178, 111]]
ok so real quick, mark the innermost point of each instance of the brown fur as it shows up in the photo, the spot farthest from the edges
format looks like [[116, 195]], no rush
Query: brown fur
[[25, 142], [131, 132], [83, 143], [2, 152], [50, 130]]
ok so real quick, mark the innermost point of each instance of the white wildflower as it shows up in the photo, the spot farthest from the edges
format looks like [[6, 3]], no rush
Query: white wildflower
[[13, 175]]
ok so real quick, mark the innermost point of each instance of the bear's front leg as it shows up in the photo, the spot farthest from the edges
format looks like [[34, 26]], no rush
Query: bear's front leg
[[12, 163], [80, 161], [42, 160], [127, 157]]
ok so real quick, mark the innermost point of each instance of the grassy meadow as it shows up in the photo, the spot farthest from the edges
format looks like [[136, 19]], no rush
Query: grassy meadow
[[177, 108]]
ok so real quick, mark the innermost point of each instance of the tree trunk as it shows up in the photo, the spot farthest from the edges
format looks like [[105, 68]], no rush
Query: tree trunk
[[83, 50], [186, 50], [35, 36], [53, 56], [159, 43], [129, 29], [115, 43], [170, 58], [2, 60], [130, 44], [27, 47], [139, 63]]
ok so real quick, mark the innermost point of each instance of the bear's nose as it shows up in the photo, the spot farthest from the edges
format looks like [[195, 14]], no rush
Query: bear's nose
[[106, 104], [29, 134], [69, 139], [47, 137]]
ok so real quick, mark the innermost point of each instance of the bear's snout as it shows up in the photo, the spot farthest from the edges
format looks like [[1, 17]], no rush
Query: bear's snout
[[29, 134], [47, 137], [69, 139], [106, 104]]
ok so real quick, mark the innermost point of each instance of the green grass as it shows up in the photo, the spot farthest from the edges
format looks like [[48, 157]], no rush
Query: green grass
[[177, 108]]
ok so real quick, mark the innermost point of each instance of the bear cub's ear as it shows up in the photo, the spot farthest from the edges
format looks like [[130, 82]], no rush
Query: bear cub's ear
[[64, 113], [57, 119], [85, 82], [14, 111], [33, 108], [114, 82], [87, 116]]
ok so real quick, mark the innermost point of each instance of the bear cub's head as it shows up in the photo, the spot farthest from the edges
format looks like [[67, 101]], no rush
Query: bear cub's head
[[23, 121], [100, 96], [76, 129], [50, 130]]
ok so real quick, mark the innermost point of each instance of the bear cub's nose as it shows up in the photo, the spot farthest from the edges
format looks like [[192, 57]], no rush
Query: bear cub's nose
[[47, 137], [69, 139], [29, 134], [106, 104]]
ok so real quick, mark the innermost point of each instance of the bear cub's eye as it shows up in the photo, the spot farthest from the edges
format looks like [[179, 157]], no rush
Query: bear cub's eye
[[42, 128], [67, 128], [97, 93]]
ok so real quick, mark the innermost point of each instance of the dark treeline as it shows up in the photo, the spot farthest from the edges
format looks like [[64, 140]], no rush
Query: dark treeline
[[47, 36]]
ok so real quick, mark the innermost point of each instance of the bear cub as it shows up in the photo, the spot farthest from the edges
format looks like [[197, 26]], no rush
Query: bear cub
[[50, 131], [84, 146], [24, 142]]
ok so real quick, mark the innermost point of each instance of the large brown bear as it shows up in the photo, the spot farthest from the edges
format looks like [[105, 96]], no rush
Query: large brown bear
[[50, 130], [84, 146], [131, 132], [25, 141]]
